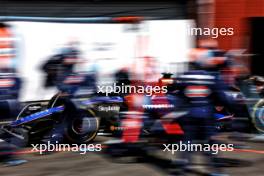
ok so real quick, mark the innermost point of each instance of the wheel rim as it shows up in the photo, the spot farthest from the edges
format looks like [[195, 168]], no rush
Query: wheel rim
[[260, 116], [84, 126]]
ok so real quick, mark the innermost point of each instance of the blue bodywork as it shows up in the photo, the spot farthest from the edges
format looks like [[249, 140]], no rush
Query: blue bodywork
[[36, 116], [53, 110], [95, 100]]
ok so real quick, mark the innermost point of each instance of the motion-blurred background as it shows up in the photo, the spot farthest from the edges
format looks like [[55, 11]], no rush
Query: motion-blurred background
[[147, 38], [164, 23]]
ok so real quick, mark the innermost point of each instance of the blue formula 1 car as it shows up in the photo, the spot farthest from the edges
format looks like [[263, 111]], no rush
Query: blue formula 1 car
[[75, 113]]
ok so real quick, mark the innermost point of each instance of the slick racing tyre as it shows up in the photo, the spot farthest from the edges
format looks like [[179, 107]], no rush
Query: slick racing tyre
[[81, 126], [258, 116]]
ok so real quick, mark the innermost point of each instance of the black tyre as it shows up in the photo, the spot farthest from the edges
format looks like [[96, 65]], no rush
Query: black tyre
[[80, 126], [258, 116]]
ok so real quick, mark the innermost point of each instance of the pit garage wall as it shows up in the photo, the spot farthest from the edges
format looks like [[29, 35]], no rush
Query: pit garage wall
[[234, 13], [237, 14]]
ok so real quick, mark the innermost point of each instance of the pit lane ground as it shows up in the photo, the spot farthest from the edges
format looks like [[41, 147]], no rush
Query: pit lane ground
[[248, 160]]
